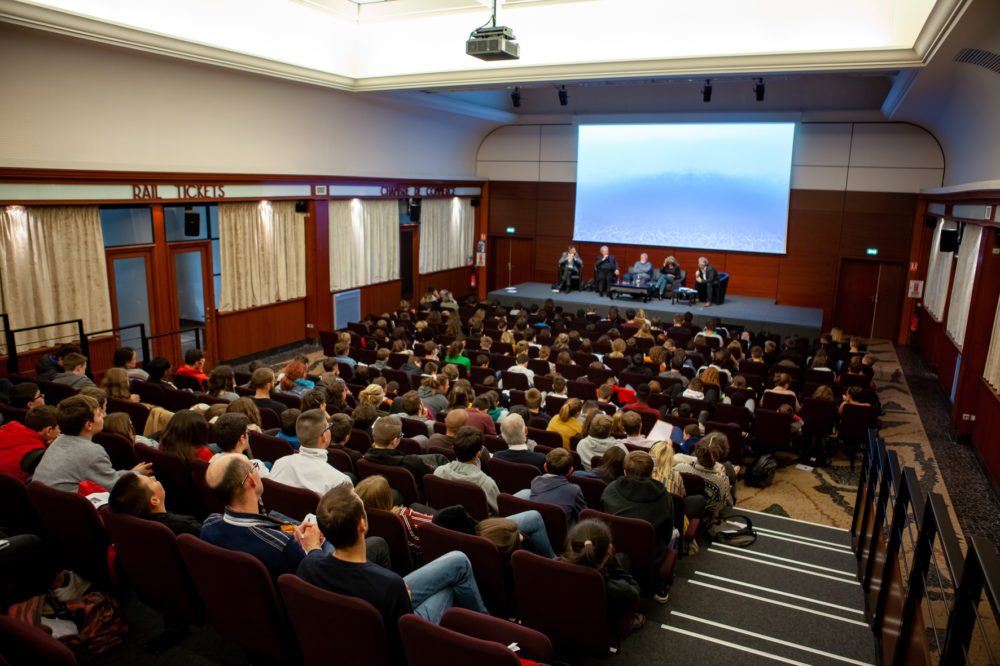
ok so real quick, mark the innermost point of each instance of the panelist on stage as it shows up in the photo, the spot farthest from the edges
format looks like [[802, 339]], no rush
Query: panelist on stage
[[706, 281], [670, 272], [605, 272], [642, 268], [570, 266]]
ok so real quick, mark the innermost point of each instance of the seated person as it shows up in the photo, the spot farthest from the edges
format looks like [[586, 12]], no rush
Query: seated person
[[231, 431], [158, 370], [26, 395], [293, 380], [670, 273], [718, 493], [74, 372], [566, 422], [125, 357], [262, 382], [376, 493], [73, 456], [309, 467], [468, 447], [589, 544], [22, 445], [554, 486], [194, 366], [428, 591], [386, 434], [706, 281], [598, 439], [642, 270], [570, 268], [515, 435], [454, 420], [288, 419], [49, 365], [143, 497], [638, 495]]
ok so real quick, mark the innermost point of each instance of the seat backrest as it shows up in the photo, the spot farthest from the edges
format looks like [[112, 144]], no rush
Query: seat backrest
[[137, 413], [75, 528], [268, 448], [552, 515], [289, 500], [119, 449], [390, 527], [856, 420], [8, 413], [574, 620], [737, 414], [515, 380], [511, 476], [151, 394], [443, 492], [147, 551], [772, 400], [487, 566], [340, 459], [329, 624], [178, 400], [183, 495], [773, 429], [634, 537], [593, 488], [427, 644], [23, 643], [581, 389], [212, 503], [17, 511], [549, 438], [269, 419], [240, 598], [187, 382], [359, 440], [54, 391], [649, 419], [818, 416], [693, 484], [735, 436], [399, 478], [533, 644]]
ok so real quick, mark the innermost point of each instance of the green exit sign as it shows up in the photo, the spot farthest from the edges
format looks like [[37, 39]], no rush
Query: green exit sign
[[510, 230], [872, 251]]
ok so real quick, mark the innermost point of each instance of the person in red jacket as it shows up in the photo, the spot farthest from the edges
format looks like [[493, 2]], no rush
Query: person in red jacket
[[21, 445], [194, 366]]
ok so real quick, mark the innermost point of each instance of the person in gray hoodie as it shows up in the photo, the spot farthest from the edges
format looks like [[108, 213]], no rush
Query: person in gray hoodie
[[75, 372], [433, 393], [554, 486], [598, 440], [468, 447]]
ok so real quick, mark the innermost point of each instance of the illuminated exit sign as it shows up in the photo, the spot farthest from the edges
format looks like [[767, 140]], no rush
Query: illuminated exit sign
[[872, 251]]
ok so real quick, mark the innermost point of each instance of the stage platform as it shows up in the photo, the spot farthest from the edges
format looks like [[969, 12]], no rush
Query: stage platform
[[753, 314]]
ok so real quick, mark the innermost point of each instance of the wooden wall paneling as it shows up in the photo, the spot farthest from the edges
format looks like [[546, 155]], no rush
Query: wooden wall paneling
[[514, 189], [319, 307], [555, 218], [548, 250], [102, 352], [985, 428], [522, 214], [753, 274], [556, 191], [891, 292], [455, 280], [920, 246], [816, 200], [251, 331], [379, 298], [889, 234]]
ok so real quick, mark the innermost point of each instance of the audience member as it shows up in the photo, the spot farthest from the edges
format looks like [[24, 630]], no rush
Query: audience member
[[194, 366], [144, 497], [566, 422], [554, 487], [309, 467], [515, 434], [74, 372], [598, 440], [125, 357], [186, 436], [22, 445], [468, 447], [261, 383]]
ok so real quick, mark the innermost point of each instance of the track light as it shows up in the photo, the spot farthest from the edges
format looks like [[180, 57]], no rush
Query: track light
[[706, 92], [758, 90], [515, 97], [563, 96]]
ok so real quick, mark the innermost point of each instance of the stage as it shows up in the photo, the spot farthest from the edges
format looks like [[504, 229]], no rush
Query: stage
[[753, 314]]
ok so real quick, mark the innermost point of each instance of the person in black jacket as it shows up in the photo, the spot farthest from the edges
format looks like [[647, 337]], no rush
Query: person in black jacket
[[386, 434], [605, 272], [570, 266], [706, 280]]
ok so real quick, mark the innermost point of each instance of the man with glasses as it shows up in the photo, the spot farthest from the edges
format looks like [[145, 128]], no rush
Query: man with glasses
[[236, 480], [309, 467], [26, 395]]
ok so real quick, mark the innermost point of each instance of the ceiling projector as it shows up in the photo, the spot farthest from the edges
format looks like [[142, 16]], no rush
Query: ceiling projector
[[493, 43]]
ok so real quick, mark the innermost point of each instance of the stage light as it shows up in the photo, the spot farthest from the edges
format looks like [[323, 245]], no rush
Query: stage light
[[758, 90], [515, 97], [563, 96], [706, 92]]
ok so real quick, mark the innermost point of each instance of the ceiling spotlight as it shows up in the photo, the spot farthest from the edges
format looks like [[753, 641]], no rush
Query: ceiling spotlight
[[515, 97], [706, 92], [758, 90], [563, 96]]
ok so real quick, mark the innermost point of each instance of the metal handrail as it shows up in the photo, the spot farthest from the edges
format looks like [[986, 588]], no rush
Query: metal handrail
[[197, 334], [12, 357], [144, 341]]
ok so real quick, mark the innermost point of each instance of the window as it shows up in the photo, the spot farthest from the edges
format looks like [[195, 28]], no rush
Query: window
[[126, 226]]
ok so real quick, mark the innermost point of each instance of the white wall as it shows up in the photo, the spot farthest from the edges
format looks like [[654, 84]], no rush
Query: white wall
[[869, 157], [76, 105]]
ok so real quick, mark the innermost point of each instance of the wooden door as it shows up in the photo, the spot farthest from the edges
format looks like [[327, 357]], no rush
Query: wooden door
[[870, 298], [513, 261], [193, 297]]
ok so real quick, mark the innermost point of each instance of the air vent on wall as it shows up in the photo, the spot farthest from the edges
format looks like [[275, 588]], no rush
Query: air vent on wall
[[987, 59]]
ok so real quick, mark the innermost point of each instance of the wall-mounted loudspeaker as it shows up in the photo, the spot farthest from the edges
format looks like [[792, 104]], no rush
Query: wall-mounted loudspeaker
[[475, 202], [301, 206], [930, 221], [415, 210], [949, 240], [192, 223]]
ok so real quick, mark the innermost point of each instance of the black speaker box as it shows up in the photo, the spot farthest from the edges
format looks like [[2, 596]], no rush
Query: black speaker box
[[949, 240], [415, 210], [192, 223], [302, 206], [475, 202], [930, 221]]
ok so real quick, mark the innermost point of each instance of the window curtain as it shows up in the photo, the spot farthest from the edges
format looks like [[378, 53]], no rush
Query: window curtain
[[447, 229], [263, 251], [938, 274], [961, 288], [364, 243], [991, 372], [52, 268]]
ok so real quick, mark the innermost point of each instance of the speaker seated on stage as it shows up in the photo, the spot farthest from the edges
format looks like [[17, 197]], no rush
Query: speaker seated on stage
[[706, 280], [570, 269], [641, 273], [670, 276]]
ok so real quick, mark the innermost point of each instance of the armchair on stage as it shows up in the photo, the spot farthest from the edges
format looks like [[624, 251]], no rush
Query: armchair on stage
[[719, 293]]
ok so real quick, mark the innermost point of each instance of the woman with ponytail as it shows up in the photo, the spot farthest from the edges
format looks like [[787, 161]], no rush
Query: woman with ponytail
[[589, 544]]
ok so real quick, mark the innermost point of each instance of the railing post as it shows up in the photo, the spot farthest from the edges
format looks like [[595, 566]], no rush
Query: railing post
[[12, 365], [144, 341]]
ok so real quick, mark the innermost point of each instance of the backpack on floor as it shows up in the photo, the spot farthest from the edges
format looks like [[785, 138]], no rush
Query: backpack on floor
[[587, 286], [726, 530], [761, 473]]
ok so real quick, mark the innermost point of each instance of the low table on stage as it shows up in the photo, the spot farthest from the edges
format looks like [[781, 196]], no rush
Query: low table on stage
[[684, 295], [644, 291]]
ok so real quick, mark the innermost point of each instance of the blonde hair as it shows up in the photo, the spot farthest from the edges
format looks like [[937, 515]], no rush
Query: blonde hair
[[372, 395], [115, 382]]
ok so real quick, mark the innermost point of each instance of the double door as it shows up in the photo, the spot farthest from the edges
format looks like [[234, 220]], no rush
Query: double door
[[870, 297]]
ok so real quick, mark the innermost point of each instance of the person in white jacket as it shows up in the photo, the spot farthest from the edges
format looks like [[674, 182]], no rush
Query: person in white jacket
[[308, 468]]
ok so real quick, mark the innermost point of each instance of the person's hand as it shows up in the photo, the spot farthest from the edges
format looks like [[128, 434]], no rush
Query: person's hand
[[144, 468], [308, 536], [616, 271], [133, 397]]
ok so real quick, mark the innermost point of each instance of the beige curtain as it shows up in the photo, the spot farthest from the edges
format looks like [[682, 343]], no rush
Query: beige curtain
[[364, 243], [961, 288], [52, 268], [991, 372], [447, 230], [938, 275], [263, 252]]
